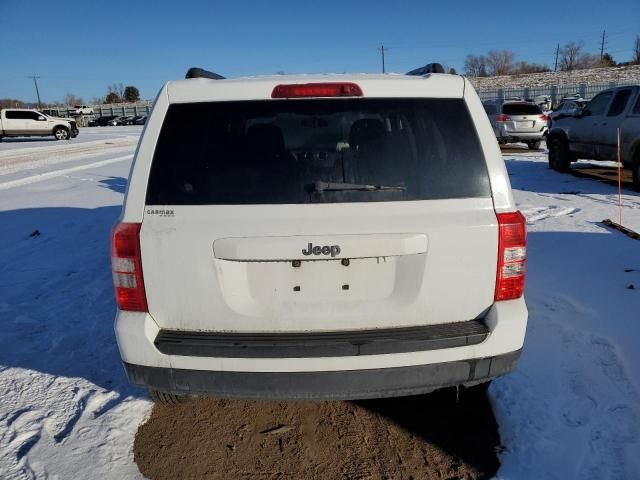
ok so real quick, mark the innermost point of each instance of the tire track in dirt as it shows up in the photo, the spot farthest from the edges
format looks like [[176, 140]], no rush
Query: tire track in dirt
[[422, 437]]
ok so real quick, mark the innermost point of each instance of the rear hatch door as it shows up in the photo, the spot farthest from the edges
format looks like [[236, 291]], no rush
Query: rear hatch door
[[318, 215], [524, 117]]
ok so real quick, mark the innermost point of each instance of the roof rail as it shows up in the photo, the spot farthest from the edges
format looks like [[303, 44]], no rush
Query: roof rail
[[195, 72], [428, 68]]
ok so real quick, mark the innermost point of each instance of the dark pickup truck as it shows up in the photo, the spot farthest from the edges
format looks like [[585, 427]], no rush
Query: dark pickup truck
[[592, 132]]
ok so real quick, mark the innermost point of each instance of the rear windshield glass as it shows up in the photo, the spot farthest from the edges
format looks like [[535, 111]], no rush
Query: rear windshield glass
[[317, 151], [521, 109]]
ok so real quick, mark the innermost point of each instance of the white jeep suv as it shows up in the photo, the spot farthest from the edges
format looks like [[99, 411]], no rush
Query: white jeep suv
[[318, 237]]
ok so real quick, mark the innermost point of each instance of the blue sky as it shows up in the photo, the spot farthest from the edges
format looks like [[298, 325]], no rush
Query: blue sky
[[81, 47]]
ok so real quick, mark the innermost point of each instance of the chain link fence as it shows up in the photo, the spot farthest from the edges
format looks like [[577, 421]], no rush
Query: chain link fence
[[555, 93]]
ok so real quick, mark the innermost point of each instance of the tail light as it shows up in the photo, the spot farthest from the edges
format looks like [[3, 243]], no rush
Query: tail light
[[543, 118], [126, 266], [501, 117], [331, 89], [512, 255]]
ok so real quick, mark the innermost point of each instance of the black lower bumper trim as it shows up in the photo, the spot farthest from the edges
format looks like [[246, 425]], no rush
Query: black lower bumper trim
[[321, 344], [325, 385]]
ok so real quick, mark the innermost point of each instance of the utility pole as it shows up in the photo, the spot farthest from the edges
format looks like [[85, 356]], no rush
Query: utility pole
[[382, 53], [604, 34], [555, 69], [35, 81]]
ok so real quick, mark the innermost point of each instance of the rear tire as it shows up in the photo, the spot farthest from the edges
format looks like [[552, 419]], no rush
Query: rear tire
[[61, 133], [559, 155], [165, 398], [533, 145]]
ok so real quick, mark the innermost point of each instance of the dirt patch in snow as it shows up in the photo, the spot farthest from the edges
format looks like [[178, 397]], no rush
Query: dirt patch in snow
[[422, 437]]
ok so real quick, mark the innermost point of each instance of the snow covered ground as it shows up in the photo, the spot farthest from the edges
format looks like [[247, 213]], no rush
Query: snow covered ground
[[572, 408], [66, 409], [570, 411]]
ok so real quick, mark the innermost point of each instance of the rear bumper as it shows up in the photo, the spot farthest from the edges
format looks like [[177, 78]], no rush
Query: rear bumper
[[388, 370], [507, 135], [342, 385], [321, 344]]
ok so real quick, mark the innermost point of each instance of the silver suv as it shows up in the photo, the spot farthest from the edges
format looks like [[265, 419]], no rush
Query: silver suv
[[518, 121]]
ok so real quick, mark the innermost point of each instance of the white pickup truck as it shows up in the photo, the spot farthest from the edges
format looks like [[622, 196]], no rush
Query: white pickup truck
[[81, 110], [20, 122]]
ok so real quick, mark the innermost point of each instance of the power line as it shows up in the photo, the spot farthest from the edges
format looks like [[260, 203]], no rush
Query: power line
[[35, 81]]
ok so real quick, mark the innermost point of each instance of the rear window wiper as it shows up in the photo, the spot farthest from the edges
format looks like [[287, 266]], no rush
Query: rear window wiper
[[338, 186]]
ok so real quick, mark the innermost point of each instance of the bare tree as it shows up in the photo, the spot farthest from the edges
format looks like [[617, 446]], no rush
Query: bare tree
[[636, 51], [526, 67], [112, 97], [587, 60], [71, 99], [607, 60], [475, 66], [500, 62], [115, 93], [11, 103], [572, 57]]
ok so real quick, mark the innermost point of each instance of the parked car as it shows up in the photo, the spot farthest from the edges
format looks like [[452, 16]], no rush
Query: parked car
[[567, 107], [311, 240], [22, 122], [140, 120], [81, 110], [103, 121], [543, 101], [592, 132], [519, 121], [117, 121]]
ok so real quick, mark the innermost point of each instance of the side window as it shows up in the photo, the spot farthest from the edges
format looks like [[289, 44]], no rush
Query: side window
[[619, 102], [599, 103], [12, 114], [32, 115]]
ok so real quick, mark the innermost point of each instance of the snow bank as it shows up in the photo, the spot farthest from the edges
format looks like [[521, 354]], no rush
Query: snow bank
[[626, 75]]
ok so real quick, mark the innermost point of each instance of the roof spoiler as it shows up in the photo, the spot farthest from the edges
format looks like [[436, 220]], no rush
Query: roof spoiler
[[427, 69], [195, 72]]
